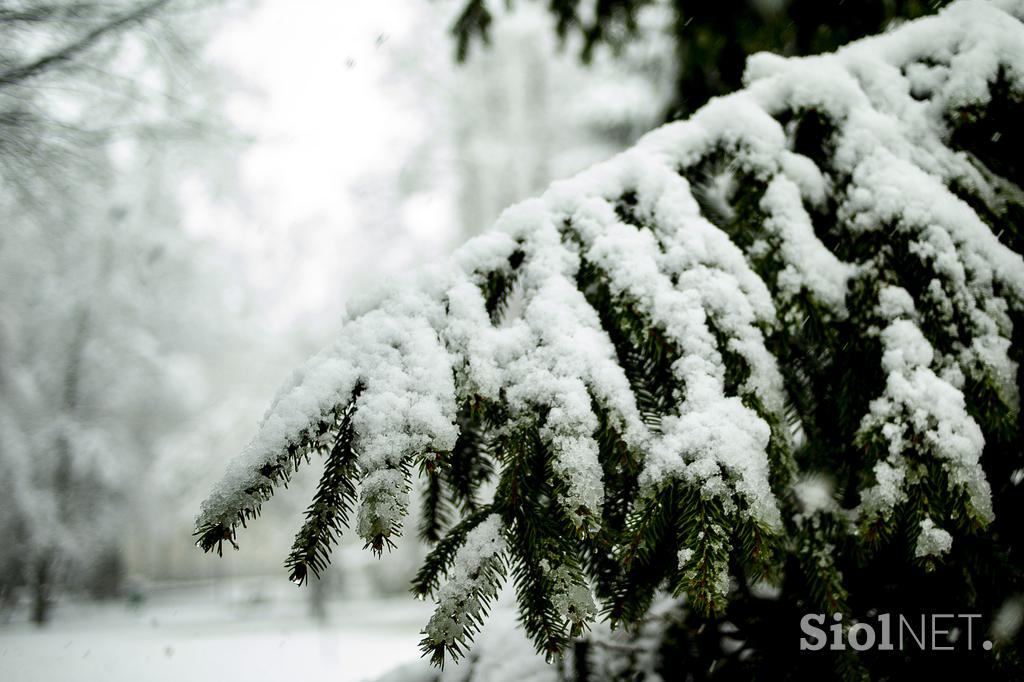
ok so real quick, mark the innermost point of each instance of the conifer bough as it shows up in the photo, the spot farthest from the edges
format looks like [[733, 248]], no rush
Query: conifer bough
[[779, 342]]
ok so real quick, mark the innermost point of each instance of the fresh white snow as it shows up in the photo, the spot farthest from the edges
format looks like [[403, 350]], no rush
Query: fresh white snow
[[422, 345]]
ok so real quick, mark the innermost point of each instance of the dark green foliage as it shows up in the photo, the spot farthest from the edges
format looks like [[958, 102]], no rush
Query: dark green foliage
[[832, 374], [649, 537], [331, 507], [440, 558], [499, 286], [712, 39], [331, 438], [435, 514], [475, 20], [542, 540], [470, 464], [437, 563], [212, 536]]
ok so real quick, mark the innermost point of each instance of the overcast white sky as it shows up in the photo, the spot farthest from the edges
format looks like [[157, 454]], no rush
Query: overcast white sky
[[324, 117]]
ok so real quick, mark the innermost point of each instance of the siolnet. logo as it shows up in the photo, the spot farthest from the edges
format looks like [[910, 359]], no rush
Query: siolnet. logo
[[921, 632]]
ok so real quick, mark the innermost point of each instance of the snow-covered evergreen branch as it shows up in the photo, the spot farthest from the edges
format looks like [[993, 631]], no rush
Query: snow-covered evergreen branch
[[641, 370]]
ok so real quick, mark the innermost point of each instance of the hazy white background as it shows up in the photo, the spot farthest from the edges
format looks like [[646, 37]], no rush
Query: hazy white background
[[354, 149]]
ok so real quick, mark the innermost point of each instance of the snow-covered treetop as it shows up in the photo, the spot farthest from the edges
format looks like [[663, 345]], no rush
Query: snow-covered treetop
[[624, 369]]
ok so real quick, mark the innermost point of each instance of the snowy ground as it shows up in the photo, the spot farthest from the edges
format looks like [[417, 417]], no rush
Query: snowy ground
[[207, 632]]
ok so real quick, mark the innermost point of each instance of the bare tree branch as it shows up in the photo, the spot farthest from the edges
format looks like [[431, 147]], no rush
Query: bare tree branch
[[44, 13], [19, 74]]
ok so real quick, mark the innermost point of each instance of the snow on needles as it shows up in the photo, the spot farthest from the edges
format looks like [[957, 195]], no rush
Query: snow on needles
[[933, 541], [461, 602], [416, 354], [919, 406]]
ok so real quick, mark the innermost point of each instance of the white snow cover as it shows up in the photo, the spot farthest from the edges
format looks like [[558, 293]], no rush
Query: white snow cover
[[919, 409], [407, 407], [572, 599], [933, 541], [815, 492], [460, 599], [426, 344]]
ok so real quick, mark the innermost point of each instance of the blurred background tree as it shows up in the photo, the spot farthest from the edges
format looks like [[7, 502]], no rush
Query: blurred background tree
[[712, 39], [101, 293]]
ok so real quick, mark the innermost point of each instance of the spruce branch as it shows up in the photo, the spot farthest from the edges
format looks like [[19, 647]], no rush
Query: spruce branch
[[332, 503], [440, 559]]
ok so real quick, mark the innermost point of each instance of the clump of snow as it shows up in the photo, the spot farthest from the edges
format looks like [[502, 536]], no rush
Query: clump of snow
[[720, 451], [895, 302], [932, 540], [406, 407], [808, 263], [919, 410], [888, 490], [461, 600], [1008, 619], [815, 493], [572, 599]]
